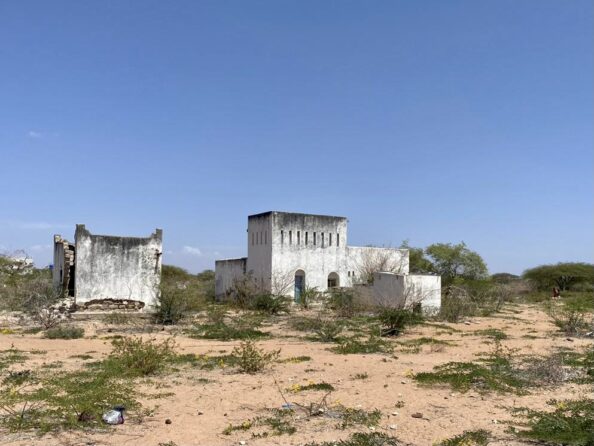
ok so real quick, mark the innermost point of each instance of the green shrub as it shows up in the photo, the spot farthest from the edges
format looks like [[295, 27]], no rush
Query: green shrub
[[363, 439], [357, 346], [343, 302], [301, 323], [226, 332], [64, 332], [496, 373], [250, 359], [395, 320], [270, 304], [571, 321], [328, 331], [493, 333], [308, 296], [65, 400], [173, 304], [354, 417], [133, 356], [468, 438], [570, 423]]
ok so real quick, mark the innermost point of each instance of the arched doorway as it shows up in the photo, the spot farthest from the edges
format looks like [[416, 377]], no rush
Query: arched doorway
[[333, 280], [299, 284]]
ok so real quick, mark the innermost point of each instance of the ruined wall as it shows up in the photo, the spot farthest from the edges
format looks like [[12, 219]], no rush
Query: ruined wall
[[226, 272], [63, 267], [398, 290], [118, 268]]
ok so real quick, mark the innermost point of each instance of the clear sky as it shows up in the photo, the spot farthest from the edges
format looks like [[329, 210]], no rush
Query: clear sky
[[433, 121]]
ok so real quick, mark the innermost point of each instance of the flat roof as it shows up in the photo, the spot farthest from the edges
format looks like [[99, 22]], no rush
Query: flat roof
[[294, 213]]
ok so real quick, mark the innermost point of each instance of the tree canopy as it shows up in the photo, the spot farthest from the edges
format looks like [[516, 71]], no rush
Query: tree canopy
[[417, 261], [456, 261], [561, 275]]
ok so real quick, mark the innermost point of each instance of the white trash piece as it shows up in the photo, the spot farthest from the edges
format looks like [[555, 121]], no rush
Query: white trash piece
[[114, 416]]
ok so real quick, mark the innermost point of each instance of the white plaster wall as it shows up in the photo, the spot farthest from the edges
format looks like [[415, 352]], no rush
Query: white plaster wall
[[117, 267], [397, 290], [388, 289], [226, 272], [259, 260], [292, 253], [426, 289]]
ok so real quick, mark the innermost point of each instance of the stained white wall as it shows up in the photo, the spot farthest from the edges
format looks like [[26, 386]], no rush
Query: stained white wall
[[109, 267], [259, 260], [226, 272], [311, 243], [397, 290]]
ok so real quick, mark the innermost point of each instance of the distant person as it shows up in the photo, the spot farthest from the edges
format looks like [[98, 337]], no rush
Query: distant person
[[556, 293]]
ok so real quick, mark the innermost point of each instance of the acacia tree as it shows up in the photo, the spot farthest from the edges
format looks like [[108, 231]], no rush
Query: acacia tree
[[561, 275], [456, 261], [417, 262]]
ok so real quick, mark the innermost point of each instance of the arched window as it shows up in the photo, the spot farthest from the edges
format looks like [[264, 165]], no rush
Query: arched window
[[333, 280]]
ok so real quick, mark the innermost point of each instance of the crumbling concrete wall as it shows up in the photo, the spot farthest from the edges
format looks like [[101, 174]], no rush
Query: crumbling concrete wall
[[63, 268], [126, 269], [226, 272], [406, 290]]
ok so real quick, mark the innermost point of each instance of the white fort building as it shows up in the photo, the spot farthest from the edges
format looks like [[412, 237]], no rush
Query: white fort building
[[288, 252]]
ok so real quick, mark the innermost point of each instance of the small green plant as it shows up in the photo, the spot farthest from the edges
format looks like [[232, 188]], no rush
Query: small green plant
[[344, 302], [226, 332], [362, 439], [64, 332], [301, 323], [360, 376], [133, 356], [328, 331], [280, 423], [571, 321], [174, 303], [495, 372], [295, 359], [270, 304], [11, 356], [395, 320], [478, 437], [355, 345], [308, 296], [251, 359], [492, 333], [570, 423], [359, 417], [296, 388]]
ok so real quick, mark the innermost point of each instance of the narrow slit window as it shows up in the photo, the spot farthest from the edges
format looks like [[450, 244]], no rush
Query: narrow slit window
[[322, 240], [290, 237], [337, 239], [306, 233], [314, 239], [282, 237], [298, 237], [330, 239]]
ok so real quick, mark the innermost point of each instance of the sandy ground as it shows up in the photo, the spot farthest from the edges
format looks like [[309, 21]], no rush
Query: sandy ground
[[199, 412]]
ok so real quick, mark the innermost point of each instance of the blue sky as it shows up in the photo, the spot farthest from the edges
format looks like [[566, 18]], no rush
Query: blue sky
[[433, 121]]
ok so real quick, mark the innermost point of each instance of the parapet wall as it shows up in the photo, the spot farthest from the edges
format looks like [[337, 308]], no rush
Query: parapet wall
[[111, 269]]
